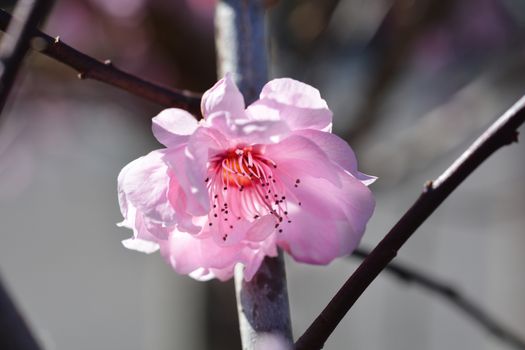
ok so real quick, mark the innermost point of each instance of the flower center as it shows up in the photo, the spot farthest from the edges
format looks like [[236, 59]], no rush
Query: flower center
[[242, 185]]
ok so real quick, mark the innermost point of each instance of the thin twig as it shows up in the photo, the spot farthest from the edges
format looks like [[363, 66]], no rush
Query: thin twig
[[90, 68], [453, 296], [14, 46], [14, 332], [499, 134]]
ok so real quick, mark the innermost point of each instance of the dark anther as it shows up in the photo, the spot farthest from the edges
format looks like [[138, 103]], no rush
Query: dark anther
[[215, 215], [297, 181], [285, 213], [256, 217], [207, 179], [210, 224], [276, 225], [231, 226], [289, 221], [299, 203], [225, 188], [280, 230]]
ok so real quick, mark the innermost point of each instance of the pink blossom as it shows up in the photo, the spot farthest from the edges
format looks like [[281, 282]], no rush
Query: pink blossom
[[235, 186]]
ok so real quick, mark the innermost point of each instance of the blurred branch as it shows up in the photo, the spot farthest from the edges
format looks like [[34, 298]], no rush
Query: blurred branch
[[452, 295], [14, 46], [415, 148], [14, 332], [90, 68], [502, 132], [403, 25]]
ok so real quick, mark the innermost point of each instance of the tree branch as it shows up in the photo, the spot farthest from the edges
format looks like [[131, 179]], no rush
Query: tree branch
[[262, 303], [499, 134], [15, 44], [403, 25], [90, 68], [14, 332], [453, 296]]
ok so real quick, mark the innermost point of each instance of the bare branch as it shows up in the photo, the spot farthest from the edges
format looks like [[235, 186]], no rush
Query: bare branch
[[90, 68], [499, 134], [14, 332], [453, 296], [14, 46]]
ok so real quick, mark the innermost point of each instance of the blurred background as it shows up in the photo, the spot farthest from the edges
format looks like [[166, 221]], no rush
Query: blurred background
[[411, 84]]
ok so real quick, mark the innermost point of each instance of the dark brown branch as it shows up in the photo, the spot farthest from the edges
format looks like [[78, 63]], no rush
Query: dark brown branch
[[499, 134], [14, 332], [453, 296], [90, 68], [14, 45]]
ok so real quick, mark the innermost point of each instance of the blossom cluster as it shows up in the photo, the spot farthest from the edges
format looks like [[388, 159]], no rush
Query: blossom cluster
[[244, 181]]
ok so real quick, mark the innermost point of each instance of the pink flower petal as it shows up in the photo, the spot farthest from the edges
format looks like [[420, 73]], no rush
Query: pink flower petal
[[144, 239], [334, 147], [194, 167], [256, 256], [246, 130], [223, 96], [261, 228], [296, 156], [367, 180], [292, 92], [296, 103], [330, 220], [338, 151], [186, 194], [186, 253], [173, 126], [140, 245], [122, 198], [145, 184]]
